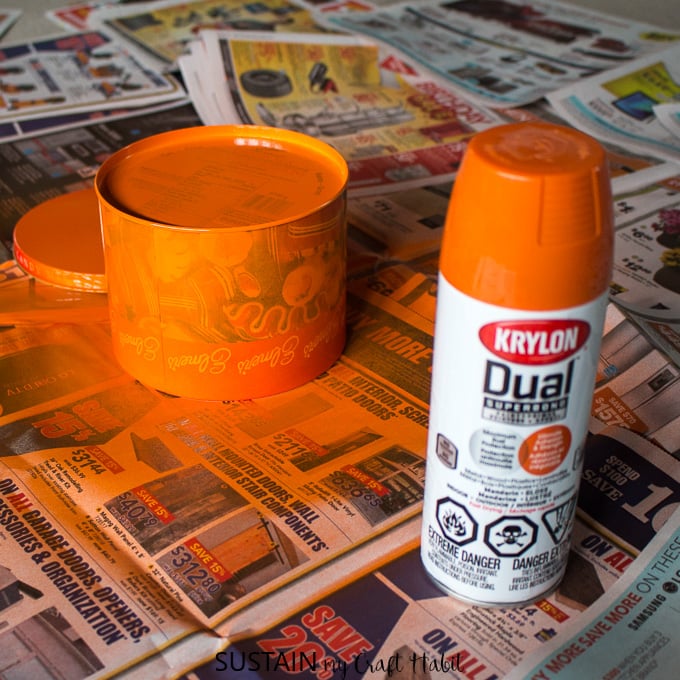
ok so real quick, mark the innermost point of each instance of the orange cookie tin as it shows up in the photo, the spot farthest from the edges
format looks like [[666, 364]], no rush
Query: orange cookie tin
[[225, 257]]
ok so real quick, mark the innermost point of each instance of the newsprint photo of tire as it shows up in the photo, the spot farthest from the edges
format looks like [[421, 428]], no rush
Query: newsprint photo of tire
[[261, 82]]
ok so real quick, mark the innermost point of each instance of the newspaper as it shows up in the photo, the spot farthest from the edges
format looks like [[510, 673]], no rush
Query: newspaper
[[163, 29], [507, 53], [645, 281], [72, 17], [619, 105], [76, 16], [630, 633], [7, 19], [637, 386], [404, 224], [78, 72], [152, 517], [669, 116], [14, 130], [646, 277], [396, 126]]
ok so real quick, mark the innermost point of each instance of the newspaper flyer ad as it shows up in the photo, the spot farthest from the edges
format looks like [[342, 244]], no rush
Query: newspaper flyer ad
[[669, 116], [630, 633], [163, 29], [645, 270], [88, 611], [7, 18], [394, 126], [507, 53], [406, 223], [76, 15], [619, 105], [13, 130], [76, 72], [637, 385], [647, 274]]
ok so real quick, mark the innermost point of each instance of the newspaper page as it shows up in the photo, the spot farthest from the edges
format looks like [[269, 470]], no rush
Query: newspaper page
[[646, 270], [75, 15], [630, 633], [74, 73], [395, 126], [74, 601], [619, 105], [646, 276], [7, 19], [664, 335], [637, 386], [163, 29], [408, 223], [507, 53], [14, 130], [669, 116]]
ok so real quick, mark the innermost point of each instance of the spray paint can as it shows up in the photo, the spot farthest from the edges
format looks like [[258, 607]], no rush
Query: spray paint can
[[525, 266]]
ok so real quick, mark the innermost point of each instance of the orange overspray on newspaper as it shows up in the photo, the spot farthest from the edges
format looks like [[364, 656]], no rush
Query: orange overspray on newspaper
[[225, 253]]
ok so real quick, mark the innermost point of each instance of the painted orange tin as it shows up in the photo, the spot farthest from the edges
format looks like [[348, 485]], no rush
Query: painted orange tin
[[225, 258]]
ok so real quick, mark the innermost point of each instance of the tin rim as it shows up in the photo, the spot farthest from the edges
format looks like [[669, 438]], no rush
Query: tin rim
[[238, 135]]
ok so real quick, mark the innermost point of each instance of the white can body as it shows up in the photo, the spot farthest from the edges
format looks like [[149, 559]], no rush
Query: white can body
[[510, 404]]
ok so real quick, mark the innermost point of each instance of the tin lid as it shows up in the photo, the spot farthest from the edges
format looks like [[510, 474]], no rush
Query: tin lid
[[223, 176], [530, 220], [59, 242]]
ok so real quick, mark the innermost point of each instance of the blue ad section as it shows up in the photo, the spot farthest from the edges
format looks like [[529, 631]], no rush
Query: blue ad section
[[630, 633], [338, 637], [625, 492], [408, 574]]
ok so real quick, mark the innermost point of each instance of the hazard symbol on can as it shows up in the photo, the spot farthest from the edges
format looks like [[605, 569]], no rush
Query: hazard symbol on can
[[456, 523], [510, 536]]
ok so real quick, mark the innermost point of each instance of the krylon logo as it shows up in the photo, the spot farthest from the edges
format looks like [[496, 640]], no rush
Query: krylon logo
[[535, 342]]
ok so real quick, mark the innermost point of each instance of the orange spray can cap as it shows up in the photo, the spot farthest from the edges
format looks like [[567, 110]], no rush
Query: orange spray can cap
[[530, 220]]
